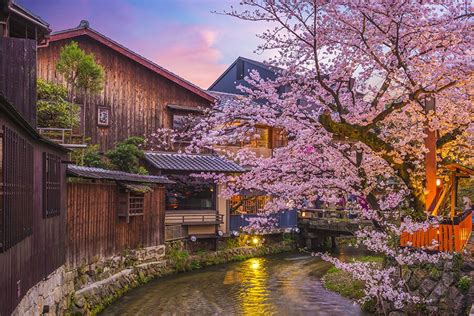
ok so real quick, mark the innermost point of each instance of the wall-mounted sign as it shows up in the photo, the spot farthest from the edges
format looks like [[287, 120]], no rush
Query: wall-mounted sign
[[103, 116]]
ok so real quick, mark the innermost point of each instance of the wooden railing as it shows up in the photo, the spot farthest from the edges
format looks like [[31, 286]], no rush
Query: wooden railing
[[194, 219], [449, 235], [315, 213], [63, 136]]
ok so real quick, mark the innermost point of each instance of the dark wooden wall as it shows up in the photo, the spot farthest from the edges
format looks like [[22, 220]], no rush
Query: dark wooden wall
[[95, 230], [136, 95], [18, 75], [36, 256]]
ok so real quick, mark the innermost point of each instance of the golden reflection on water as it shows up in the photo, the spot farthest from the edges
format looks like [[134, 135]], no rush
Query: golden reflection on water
[[254, 292]]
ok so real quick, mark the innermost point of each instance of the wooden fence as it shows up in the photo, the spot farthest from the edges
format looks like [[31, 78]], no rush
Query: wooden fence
[[449, 235], [96, 230]]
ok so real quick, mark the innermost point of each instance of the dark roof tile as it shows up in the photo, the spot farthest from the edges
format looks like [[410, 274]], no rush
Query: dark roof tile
[[105, 174], [193, 163]]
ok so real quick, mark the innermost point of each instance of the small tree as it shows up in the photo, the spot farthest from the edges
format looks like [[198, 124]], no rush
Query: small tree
[[81, 73], [53, 108]]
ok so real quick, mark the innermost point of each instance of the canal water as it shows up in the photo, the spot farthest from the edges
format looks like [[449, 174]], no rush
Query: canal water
[[285, 284]]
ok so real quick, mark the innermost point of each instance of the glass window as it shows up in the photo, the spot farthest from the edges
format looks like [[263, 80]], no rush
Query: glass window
[[189, 193]]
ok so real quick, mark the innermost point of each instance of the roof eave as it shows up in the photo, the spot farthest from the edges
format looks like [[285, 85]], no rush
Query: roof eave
[[71, 33]]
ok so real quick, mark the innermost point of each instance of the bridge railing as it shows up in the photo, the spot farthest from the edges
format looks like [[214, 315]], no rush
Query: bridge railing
[[315, 213]]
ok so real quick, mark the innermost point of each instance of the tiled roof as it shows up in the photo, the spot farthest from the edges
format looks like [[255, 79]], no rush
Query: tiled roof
[[104, 174], [194, 163]]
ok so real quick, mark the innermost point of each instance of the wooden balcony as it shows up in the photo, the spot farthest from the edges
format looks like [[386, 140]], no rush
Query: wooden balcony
[[191, 218]]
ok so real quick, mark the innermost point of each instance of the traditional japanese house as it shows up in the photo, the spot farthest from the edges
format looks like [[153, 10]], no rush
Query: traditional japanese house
[[193, 205], [249, 204], [138, 97], [32, 169], [110, 211], [225, 90]]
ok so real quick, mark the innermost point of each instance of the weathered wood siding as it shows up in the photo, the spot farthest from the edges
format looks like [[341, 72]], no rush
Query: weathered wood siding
[[95, 229], [136, 96], [36, 256], [18, 75]]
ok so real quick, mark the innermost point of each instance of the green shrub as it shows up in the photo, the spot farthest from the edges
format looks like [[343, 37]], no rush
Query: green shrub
[[53, 109], [464, 283], [127, 154]]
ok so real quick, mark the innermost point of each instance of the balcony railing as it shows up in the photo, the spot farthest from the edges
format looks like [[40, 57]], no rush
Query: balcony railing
[[189, 218], [63, 136]]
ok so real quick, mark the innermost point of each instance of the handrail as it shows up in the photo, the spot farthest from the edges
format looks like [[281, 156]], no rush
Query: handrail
[[441, 199], [193, 218]]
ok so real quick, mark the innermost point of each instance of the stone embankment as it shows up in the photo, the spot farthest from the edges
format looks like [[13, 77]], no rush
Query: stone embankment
[[88, 289]]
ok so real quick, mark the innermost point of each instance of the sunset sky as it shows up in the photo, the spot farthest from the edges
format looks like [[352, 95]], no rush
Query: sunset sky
[[180, 35]]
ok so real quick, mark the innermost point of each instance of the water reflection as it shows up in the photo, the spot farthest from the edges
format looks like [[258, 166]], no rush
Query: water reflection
[[278, 285], [254, 288]]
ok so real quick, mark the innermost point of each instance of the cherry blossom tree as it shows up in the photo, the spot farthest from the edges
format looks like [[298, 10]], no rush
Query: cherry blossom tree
[[354, 78]]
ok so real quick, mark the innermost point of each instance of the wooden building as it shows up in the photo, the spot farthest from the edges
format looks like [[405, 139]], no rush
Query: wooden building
[[193, 205], [33, 181], [138, 97], [110, 211]]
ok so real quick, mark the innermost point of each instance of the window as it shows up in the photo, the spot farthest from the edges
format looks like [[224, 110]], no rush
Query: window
[[132, 202], [16, 193], [240, 204], [239, 71], [261, 137], [189, 193], [180, 122], [135, 203], [279, 138], [51, 185]]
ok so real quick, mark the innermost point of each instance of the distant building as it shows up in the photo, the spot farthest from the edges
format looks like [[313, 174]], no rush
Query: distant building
[[235, 75], [246, 205], [32, 169]]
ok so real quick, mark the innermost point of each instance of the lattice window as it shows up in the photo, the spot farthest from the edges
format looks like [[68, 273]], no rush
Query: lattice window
[[16, 193], [135, 203], [51, 185], [130, 204]]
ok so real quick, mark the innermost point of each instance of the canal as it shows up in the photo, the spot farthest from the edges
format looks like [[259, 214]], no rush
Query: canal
[[285, 284]]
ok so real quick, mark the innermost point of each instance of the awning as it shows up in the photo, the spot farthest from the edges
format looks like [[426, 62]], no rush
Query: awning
[[105, 174], [192, 163], [186, 108], [137, 188]]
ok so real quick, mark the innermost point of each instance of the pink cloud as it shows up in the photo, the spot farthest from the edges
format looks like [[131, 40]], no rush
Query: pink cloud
[[190, 52]]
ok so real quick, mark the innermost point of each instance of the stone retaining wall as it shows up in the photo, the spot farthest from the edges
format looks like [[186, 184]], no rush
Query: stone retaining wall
[[89, 288], [439, 285]]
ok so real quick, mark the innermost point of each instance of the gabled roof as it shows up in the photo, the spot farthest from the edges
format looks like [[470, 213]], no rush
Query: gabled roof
[[105, 174], [251, 61], [192, 163], [84, 30]]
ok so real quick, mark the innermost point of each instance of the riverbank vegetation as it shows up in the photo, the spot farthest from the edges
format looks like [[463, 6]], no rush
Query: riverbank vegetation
[[343, 283]]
